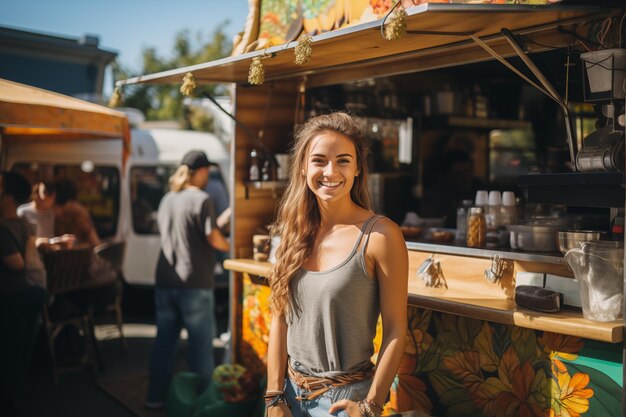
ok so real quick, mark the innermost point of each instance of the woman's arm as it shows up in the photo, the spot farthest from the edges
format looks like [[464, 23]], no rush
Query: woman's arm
[[387, 251], [277, 362]]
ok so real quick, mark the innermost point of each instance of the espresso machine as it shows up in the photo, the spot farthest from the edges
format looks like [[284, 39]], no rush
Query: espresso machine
[[604, 78], [603, 149]]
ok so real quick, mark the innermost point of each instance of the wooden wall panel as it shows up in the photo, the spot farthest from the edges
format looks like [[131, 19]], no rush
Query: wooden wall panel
[[254, 209]]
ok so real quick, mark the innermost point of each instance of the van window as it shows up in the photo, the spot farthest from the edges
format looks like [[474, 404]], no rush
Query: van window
[[148, 184], [98, 189]]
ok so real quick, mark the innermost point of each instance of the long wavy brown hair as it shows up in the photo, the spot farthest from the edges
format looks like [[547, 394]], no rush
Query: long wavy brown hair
[[298, 216]]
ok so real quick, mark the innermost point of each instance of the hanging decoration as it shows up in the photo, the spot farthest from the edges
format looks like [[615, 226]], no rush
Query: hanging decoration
[[116, 97], [303, 50], [189, 84], [396, 25], [256, 74]]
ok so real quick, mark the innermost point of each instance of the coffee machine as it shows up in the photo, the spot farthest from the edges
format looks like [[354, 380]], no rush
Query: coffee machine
[[604, 78], [603, 149]]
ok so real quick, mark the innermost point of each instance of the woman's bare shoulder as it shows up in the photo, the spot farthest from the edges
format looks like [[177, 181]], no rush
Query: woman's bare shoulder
[[386, 235], [386, 227], [387, 247]]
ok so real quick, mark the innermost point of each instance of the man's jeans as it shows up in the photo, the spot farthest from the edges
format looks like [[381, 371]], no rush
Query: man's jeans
[[175, 309]]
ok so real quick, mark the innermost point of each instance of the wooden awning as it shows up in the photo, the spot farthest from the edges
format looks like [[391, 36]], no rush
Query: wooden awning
[[30, 113], [438, 35]]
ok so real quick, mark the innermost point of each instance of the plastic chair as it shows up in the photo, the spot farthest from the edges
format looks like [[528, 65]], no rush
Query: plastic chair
[[66, 271], [113, 253]]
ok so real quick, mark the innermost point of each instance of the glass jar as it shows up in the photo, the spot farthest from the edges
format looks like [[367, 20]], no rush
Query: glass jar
[[476, 228]]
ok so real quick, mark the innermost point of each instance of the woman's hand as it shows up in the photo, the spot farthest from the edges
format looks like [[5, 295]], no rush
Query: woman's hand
[[350, 407], [279, 410]]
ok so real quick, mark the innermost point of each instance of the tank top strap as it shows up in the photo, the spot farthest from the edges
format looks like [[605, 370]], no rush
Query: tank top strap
[[370, 225], [361, 233]]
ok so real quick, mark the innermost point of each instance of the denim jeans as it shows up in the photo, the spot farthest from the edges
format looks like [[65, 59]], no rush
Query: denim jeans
[[319, 406], [191, 309]]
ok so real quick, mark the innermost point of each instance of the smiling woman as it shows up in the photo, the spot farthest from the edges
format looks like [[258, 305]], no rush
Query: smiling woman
[[338, 267]]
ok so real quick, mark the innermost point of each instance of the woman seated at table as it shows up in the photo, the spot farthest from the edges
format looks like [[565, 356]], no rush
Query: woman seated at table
[[71, 217]]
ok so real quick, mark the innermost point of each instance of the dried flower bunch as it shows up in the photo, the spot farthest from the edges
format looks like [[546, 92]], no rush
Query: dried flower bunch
[[256, 74], [303, 50], [116, 98], [395, 28], [189, 84]]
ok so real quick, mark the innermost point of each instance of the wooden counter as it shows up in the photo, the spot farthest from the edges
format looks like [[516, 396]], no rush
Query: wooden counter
[[471, 296]]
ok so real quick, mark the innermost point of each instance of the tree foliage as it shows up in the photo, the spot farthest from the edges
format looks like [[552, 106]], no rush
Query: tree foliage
[[165, 102]]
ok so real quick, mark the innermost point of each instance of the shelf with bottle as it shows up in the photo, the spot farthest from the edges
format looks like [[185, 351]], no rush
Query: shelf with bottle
[[266, 171], [276, 186]]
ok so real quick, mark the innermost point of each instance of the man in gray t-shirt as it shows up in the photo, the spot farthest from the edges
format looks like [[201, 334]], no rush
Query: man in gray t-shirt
[[184, 276], [185, 219]]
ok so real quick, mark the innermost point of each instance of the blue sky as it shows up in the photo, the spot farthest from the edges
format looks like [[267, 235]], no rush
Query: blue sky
[[125, 26]]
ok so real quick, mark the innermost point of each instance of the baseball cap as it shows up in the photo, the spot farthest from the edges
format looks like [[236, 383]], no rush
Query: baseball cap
[[195, 160]]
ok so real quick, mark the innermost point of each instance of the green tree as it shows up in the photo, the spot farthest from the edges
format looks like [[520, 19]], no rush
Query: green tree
[[165, 102]]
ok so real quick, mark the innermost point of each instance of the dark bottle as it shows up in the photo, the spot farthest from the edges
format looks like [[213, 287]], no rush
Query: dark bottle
[[255, 169], [269, 172], [266, 171]]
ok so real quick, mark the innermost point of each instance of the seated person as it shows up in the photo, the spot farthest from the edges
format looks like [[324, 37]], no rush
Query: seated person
[[39, 212], [71, 217], [20, 302]]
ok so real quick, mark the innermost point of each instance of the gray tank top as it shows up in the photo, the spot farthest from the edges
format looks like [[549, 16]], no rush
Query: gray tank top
[[332, 322]]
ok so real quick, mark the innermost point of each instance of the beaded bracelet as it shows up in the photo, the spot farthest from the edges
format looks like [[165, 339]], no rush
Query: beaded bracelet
[[373, 404], [366, 409], [273, 398]]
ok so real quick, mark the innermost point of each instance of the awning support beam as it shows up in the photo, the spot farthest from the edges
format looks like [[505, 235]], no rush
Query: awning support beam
[[546, 88]]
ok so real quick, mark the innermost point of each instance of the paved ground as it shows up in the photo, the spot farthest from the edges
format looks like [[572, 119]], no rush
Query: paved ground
[[78, 394]]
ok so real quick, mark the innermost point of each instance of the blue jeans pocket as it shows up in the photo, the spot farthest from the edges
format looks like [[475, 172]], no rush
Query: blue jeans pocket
[[355, 391]]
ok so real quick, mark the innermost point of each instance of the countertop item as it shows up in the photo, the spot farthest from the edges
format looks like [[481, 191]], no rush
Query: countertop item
[[570, 239], [535, 236]]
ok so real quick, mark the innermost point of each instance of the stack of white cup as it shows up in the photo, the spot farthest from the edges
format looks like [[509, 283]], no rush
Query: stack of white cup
[[493, 211], [482, 199], [508, 211]]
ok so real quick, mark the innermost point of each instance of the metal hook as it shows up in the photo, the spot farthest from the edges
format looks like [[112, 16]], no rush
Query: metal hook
[[431, 274], [498, 266]]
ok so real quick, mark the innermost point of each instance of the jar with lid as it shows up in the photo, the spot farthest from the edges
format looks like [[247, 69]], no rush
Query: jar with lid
[[476, 228]]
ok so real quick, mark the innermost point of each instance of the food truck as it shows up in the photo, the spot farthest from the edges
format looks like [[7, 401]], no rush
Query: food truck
[[503, 88]]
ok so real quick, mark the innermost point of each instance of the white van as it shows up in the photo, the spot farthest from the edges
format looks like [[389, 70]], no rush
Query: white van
[[123, 205]]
